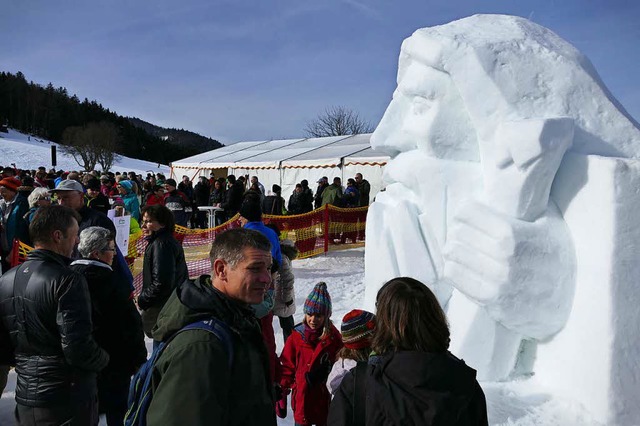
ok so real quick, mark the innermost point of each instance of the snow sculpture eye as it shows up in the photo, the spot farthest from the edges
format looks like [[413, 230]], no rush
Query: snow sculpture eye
[[421, 105]]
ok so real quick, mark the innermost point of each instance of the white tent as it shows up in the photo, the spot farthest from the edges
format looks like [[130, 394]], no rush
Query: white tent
[[288, 161]]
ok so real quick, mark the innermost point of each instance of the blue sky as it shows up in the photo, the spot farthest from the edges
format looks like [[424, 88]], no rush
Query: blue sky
[[250, 70]]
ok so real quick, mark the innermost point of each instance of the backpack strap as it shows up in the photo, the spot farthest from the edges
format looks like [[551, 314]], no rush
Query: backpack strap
[[140, 387], [215, 327], [360, 393]]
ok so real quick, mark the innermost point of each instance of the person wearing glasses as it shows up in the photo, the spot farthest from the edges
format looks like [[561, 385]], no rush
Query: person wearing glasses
[[117, 326], [38, 198]]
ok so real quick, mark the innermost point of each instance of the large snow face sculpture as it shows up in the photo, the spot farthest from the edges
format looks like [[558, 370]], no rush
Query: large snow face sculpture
[[510, 192]]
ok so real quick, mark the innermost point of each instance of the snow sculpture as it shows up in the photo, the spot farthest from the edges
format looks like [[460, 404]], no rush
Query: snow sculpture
[[513, 192]]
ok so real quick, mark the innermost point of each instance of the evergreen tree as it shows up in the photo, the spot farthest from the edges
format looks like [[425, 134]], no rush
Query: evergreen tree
[[47, 112]]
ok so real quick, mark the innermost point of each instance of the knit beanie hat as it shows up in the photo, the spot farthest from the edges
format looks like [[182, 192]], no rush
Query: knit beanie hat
[[318, 301], [126, 184], [357, 329], [11, 183]]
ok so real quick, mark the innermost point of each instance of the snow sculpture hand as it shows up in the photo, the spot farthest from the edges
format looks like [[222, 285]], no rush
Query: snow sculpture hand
[[515, 258], [521, 272]]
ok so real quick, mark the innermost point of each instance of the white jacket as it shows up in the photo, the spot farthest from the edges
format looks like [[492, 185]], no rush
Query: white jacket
[[340, 368], [283, 295]]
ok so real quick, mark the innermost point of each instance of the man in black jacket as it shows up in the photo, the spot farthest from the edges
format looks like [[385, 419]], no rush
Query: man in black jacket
[[95, 199], [296, 201], [307, 196], [274, 204], [6, 356], [178, 202], [71, 194], [233, 197], [201, 198], [45, 306], [364, 188]]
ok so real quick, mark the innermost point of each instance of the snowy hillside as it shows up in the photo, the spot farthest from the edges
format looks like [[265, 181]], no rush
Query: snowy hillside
[[30, 152]]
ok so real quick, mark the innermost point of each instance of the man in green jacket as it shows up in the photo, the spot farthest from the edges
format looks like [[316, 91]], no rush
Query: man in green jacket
[[332, 194], [192, 382]]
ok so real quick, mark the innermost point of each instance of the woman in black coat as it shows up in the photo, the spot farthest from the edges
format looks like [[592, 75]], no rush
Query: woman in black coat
[[116, 322], [164, 266], [414, 380]]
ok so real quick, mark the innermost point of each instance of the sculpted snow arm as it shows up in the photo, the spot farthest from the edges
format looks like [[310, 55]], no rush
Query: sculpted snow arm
[[511, 252]]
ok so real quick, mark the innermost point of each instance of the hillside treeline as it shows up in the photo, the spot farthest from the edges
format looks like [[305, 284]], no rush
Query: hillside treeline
[[48, 111]]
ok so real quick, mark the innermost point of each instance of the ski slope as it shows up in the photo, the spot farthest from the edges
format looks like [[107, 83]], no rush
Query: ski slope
[[31, 152]]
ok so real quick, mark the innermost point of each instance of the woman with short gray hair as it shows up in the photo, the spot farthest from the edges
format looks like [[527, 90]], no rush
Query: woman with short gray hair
[[39, 197], [116, 321], [96, 240]]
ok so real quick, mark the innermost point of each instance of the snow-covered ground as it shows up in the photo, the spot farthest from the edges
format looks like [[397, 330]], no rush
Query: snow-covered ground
[[31, 152], [521, 403]]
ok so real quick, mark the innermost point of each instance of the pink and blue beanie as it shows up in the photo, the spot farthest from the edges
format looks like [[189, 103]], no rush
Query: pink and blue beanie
[[318, 301]]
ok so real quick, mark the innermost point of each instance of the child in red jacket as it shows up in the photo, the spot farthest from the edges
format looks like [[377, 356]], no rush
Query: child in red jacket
[[307, 358]]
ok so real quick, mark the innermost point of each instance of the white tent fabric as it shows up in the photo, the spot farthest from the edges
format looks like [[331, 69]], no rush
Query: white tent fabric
[[287, 161]]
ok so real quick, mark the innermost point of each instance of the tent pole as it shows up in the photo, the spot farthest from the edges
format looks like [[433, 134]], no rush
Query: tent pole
[[326, 227]]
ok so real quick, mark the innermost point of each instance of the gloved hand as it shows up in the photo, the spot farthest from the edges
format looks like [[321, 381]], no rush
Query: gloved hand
[[281, 403], [277, 391], [320, 372]]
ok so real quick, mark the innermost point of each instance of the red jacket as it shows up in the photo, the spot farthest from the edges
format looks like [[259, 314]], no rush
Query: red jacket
[[310, 403], [153, 199], [266, 325]]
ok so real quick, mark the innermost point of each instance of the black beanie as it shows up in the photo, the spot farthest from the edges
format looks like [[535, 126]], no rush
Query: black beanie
[[93, 184]]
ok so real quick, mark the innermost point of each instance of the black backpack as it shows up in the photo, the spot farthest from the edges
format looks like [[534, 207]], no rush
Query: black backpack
[[359, 393]]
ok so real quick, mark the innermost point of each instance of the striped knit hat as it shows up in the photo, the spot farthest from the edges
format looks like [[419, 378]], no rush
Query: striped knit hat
[[357, 329], [318, 301]]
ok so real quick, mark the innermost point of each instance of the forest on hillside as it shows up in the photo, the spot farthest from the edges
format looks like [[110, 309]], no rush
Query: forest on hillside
[[47, 111]]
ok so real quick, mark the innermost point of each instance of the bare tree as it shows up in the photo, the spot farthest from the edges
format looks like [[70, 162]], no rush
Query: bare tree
[[109, 142], [337, 121], [92, 144], [75, 144]]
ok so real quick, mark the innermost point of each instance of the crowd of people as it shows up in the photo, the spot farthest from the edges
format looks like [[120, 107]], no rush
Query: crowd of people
[[74, 331], [24, 191]]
